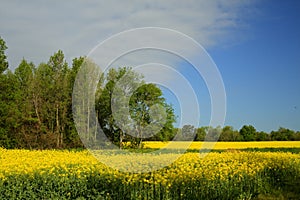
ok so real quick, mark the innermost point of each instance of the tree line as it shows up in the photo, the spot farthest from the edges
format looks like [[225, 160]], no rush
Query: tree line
[[36, 105], [36, 108], [245, 133]]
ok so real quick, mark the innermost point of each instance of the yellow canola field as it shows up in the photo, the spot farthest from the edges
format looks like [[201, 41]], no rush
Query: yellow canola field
[[226, 145], [227, 173], [46, 161], [189, 164]]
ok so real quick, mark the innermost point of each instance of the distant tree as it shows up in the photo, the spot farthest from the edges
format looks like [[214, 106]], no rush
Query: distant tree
[[248, 133], [229, 134], [213, 134], [296, 136], [188, 133], [262, 136], [165, 135], [282, 134], [201, 133]]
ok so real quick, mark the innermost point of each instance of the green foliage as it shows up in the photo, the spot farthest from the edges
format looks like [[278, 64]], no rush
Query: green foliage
[[126, 94], [36, 108], [248, 132], [201, 133], [262, 136], [35, 105], [283, 134], [229, 134], [3, 61], [9, 113]]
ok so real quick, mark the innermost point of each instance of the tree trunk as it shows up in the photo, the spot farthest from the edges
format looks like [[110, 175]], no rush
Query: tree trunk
[[57, 127], [63, 124], [62, 136], [121, 140], [35, 102], [96, 124], [88, 121], [140, 143], [139, 135]]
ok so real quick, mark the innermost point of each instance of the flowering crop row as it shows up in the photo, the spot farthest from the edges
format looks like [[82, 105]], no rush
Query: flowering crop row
[[51, 174], [227, 145]]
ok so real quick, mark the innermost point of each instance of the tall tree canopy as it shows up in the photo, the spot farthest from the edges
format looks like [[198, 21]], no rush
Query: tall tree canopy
[[141, 110]]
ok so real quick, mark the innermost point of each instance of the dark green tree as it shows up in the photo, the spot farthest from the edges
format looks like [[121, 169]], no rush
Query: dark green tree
[[71, 136], [29, 136], [152, 115], [282, 134], [262, 136], [248, 133], [9, 113], [296, 136], [8, 96], [229, 134], [103, 107], [201, 133], [60, 94]]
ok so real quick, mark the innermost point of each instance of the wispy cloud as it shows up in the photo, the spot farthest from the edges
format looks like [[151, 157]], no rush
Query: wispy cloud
[[36, 29]]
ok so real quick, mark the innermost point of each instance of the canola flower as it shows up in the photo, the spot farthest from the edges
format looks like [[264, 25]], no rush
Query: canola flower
[[82, 162], [189, 173], [227, 145]]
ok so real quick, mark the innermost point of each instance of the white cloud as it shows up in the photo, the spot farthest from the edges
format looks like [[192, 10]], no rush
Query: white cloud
[[36, 29]]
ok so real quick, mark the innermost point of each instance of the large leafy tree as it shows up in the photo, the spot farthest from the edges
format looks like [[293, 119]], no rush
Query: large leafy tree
[[45, 102], [9, 113], [28, 123], [152, 115], [8, 96], [51, 98], [3, 66], [140, 110], [60, 94]]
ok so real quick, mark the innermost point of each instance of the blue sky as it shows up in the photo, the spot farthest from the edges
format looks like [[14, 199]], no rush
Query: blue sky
[[262, 73], [255, 45]]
